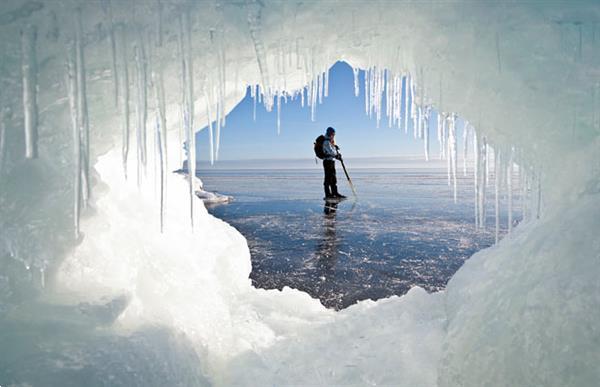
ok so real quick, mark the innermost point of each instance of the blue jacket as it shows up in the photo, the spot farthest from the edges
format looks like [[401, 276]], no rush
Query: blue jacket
[[329, 149]]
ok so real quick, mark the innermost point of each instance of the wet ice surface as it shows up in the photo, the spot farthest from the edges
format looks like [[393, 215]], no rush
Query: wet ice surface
[[404, 230]]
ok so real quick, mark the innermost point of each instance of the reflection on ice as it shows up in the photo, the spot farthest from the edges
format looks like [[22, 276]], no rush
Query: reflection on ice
[[404, 231]]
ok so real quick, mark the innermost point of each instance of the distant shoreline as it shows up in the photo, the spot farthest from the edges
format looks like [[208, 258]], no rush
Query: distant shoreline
[[354, 163]]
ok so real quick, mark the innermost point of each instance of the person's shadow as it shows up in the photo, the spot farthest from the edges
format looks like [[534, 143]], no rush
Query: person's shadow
[[327, 248]]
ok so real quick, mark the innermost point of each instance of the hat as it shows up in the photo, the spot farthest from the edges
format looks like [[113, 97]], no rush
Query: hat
[[330, 131]]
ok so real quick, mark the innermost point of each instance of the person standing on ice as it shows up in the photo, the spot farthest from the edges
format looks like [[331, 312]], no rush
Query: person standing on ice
[[330, 153]]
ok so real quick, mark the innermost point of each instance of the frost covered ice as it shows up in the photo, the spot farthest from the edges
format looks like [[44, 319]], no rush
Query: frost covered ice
[[108, 258]]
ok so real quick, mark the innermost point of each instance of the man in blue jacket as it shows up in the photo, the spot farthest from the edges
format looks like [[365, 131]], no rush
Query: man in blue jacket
[[331, 153]]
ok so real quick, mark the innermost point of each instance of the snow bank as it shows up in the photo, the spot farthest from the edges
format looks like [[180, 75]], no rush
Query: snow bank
[[78, 292]]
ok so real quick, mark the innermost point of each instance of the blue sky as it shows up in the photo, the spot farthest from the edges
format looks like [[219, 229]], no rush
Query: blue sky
[[356, 134]]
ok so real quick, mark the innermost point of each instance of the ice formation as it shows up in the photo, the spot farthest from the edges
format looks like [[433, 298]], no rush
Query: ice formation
[[107, 260]]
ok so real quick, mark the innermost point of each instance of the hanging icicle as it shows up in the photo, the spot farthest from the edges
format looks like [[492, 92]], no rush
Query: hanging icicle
[[497, 179], [509, 189], [426, 131], [440, 128], [29, 79], [405, 100], [476, 168], [113, 52], [141, 107], [5, 115], [356, 86], [189, 109], [453, 151], [82, 109], [465, 138], [413, 108], [210, 128], [278, 96], [217, 130], [124, 100], [72, 89], [183, 84], [483, 158], [538, 206], [161, 137]]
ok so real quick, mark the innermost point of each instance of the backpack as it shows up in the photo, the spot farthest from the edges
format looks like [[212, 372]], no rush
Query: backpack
[[319, 147]]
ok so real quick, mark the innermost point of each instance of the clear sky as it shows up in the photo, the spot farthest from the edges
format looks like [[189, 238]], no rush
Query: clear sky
[[356, 134]]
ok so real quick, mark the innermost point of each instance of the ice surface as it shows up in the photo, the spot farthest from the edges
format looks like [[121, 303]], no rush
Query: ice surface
[[522, 73], [404, 231]]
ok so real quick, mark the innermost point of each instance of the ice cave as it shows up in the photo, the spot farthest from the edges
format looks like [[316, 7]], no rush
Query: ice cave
[[112, 273]]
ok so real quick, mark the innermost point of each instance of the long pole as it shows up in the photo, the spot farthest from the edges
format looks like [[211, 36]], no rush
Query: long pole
[[348, 177]]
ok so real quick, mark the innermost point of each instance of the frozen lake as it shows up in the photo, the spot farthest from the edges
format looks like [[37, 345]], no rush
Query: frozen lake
[[403, 230]]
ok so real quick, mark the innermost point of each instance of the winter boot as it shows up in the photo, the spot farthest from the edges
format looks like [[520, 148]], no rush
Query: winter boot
[[336, 194], [328, 194]]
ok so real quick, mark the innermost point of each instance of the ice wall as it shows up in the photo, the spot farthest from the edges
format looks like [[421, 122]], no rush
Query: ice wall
[[93, 92]]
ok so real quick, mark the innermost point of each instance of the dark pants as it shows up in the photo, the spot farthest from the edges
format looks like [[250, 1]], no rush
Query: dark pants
[[330, 182]]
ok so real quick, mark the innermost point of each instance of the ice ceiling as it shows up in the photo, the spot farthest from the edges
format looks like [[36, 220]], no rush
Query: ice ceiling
[[91, 289]]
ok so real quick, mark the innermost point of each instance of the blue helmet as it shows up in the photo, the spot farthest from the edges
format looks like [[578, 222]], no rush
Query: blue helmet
[[330, 131]]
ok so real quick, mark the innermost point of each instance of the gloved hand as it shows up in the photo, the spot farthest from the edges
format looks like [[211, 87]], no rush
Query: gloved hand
[[339, 156], [337, 147]]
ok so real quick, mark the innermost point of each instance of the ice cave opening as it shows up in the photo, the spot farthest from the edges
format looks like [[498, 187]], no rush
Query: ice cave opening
[[112, 273], [416, 219]]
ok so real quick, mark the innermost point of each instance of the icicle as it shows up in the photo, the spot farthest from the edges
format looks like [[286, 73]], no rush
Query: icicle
[[125, 102], [446, 147], [426, 131], [222, 73], [419, 122], [141, 108], [524, 193], [313, 100], [465, 147], [413, 108], [497, 178], [539, 196], [210, 128], [4, 115], [366, 91], [161, 138], [440, 124], [217, 132], [509, 189], [71, 82], [487, 164], [452, 148], [356, 86], [29, 78], [476, 169], [82, 109], [391, 95], [189, 109], [254, 103], [405, 101], [278, 113], [254, 23], [320, 87], [482, 182], [113, 51], [422, 102], [378, 94]]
